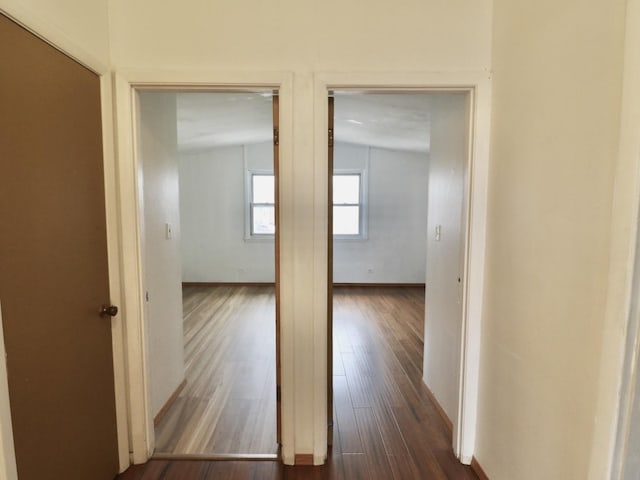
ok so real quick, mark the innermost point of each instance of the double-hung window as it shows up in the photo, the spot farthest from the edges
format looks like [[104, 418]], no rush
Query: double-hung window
[[348, 207], [349, 218], [262, 211]]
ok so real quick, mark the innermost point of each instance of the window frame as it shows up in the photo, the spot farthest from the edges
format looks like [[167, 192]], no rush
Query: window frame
[[249, 234], [362, 203]]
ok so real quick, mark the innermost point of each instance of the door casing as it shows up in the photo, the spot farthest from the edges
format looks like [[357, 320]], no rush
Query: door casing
[[129, 167], [477, 87]]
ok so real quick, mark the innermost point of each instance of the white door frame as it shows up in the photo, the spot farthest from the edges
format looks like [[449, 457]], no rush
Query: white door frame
[[477, 85], [55, 37], [127, 83]]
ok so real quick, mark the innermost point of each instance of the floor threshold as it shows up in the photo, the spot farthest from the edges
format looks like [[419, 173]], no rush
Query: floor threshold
[[229, 457]]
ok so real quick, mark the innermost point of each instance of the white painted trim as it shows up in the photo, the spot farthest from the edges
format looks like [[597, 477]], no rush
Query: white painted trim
[[113, 250], [55, 37], [478, 84], [139, 413], [478, 171], [127, 83], [8, 467], [363, 219], [248, 174]]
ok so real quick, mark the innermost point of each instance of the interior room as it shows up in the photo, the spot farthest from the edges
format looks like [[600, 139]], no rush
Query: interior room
[[209, 224], [397, 195]]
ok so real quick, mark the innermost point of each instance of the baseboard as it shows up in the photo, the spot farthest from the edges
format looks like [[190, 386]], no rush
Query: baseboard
[[167, 405], [477, 469], [475, 466], [228, 284], [441, 411], [381, 285], [271, 284], [304, 459]]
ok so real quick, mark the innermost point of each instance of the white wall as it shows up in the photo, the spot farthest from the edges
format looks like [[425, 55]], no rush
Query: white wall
[[443, 312], [212, 209], [292, 35], [555, 129], [159, 155], [212, 214], [394, 250]]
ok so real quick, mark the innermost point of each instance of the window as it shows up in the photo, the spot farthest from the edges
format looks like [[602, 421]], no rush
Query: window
[[348, 217], [262, 205]]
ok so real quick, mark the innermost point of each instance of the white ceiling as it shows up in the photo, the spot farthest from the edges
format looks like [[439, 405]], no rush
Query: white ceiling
[[395, 121], [207, 119]]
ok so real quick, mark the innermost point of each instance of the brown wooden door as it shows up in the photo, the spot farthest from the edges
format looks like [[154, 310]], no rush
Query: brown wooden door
[[330, 276], [53, 263], [276, 178]]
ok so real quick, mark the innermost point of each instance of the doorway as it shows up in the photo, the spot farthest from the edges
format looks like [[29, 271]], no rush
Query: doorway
[[209, 216], [399, 163]]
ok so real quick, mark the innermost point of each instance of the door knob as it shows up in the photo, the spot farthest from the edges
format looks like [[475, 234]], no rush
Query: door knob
[[108, 311]]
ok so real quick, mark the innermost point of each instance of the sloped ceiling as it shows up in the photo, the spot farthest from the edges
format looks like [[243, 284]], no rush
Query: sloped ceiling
[[387, 120]]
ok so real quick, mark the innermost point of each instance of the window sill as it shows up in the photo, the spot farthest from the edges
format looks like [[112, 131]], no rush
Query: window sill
[[260, 239], [350, 238]]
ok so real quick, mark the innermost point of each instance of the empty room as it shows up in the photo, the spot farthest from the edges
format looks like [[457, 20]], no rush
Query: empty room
[[208, 214], [398, 164]]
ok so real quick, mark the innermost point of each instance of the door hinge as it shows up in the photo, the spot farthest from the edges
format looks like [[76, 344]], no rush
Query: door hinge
[[278, 393], [276, 136], [331, 137]]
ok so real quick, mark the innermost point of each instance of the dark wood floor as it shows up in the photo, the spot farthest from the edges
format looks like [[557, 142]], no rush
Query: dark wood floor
[[385, 424], [228, 405]]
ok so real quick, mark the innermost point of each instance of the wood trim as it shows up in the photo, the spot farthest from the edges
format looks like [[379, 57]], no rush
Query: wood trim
[[228, 284], [477, 469], [303, 459], [440, 410], [475, 465], [167, 405], [231, 457], [330, 127], [381, 285], [276, 199]]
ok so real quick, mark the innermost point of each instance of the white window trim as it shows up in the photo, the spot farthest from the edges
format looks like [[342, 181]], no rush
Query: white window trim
[[364, 202], [248, 174]]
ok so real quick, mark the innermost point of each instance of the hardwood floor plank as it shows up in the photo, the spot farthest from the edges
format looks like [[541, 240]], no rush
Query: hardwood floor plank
[[228, 404], [373, 444], [391, 437], [345, 428], [386, 425], [420, 450], [360, 386], [356, 466]]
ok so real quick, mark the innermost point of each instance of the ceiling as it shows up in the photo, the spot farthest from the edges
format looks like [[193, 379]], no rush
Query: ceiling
[[395, 121]]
